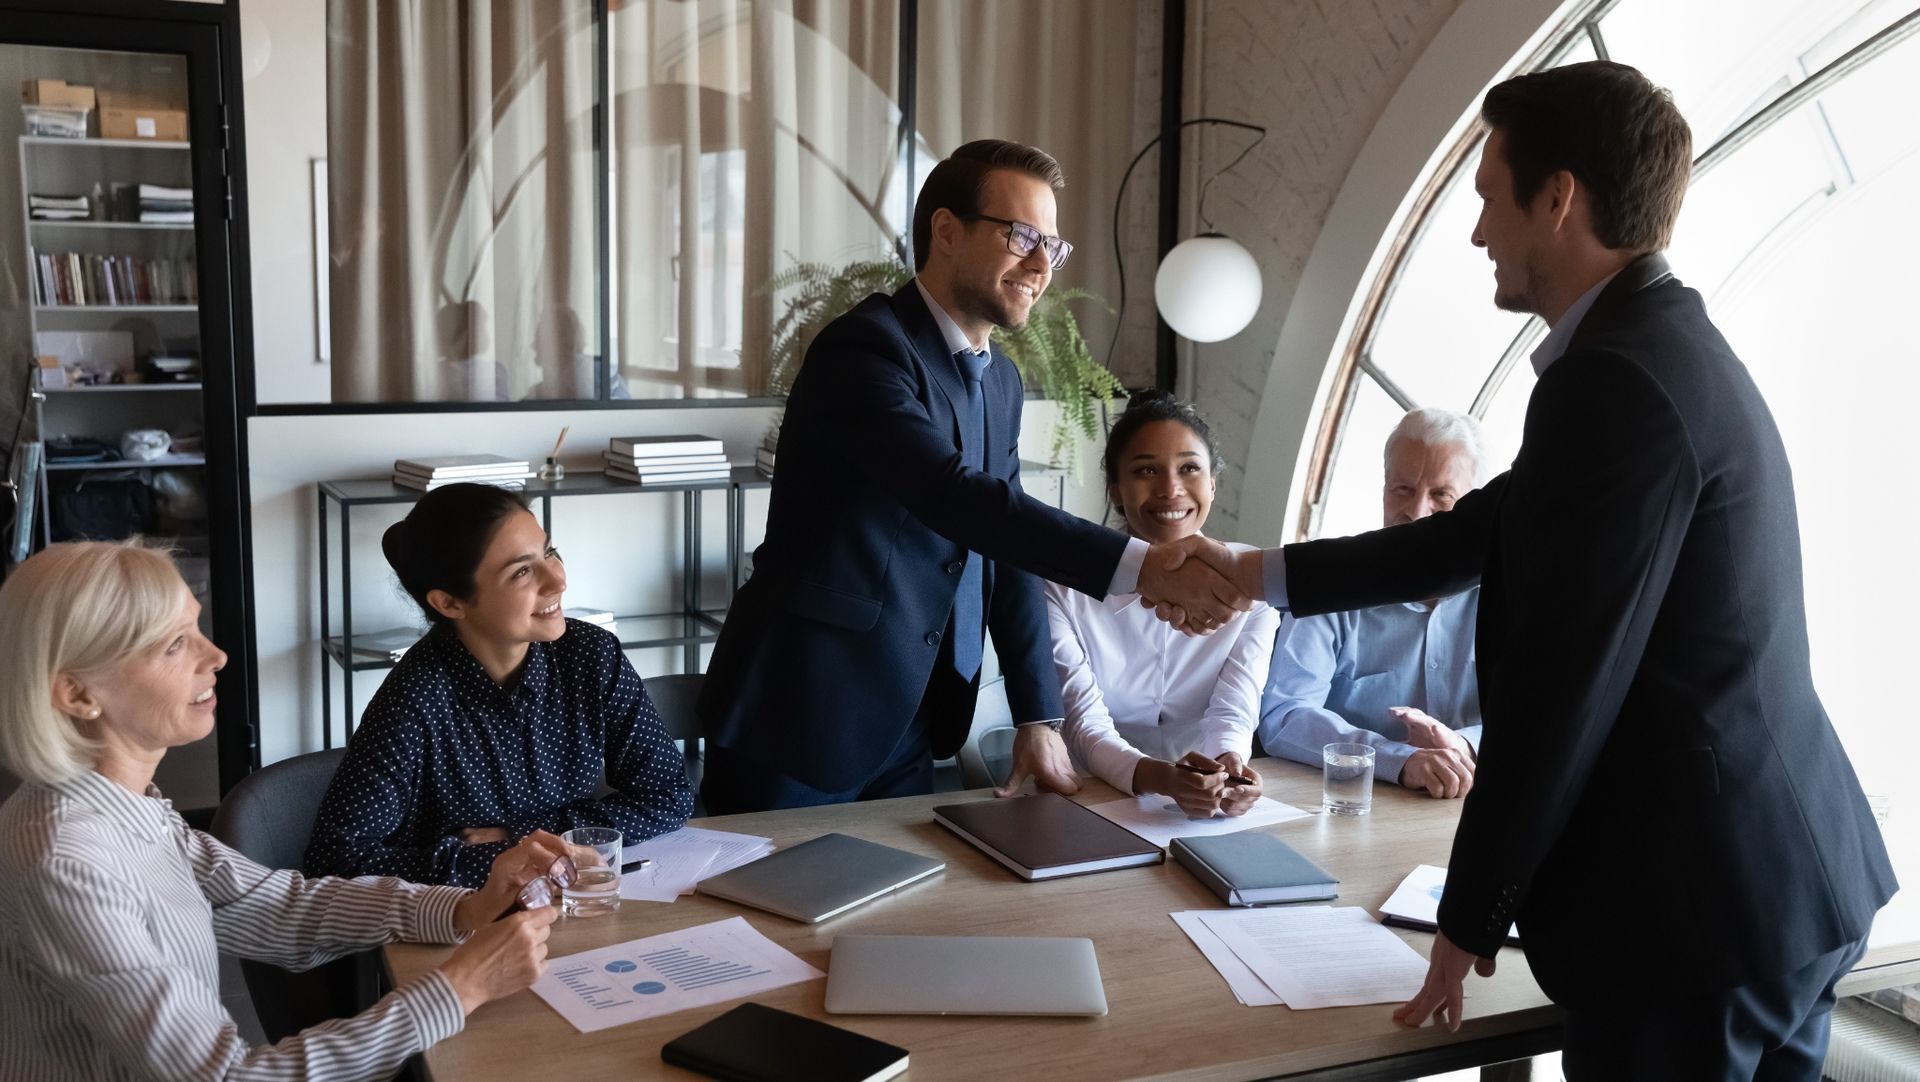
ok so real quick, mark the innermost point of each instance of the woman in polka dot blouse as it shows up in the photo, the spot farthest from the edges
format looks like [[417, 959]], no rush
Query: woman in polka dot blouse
[[501, 721]]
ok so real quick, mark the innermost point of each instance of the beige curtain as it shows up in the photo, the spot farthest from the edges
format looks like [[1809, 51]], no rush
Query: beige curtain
[[1080, 80], [747, 136], [460, 145]]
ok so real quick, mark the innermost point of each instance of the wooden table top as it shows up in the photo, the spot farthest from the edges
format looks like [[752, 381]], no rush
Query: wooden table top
[[1170, 1014]]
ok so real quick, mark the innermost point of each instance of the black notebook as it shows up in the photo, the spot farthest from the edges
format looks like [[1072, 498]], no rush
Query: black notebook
[[752, 1043], [1251, 868]]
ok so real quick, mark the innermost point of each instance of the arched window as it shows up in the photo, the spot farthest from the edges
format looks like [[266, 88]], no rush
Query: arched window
[[1800, 231]]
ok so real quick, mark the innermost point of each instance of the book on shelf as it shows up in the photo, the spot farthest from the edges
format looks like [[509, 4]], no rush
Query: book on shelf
[[437, 467], [167, 217], [390, 644], [763, 461], [702, 462], [86, 278], [163, 193], [649, 476], [596, 617], [516, 482], [650, 447]]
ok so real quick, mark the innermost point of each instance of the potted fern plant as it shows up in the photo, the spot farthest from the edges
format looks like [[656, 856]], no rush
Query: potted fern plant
[[1050, 352]]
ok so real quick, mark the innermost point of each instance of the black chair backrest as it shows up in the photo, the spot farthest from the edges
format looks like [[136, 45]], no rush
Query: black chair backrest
[[269, 815], [673, 698]]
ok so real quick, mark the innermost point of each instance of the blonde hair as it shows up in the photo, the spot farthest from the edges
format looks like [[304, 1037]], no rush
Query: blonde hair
[[75, 607]]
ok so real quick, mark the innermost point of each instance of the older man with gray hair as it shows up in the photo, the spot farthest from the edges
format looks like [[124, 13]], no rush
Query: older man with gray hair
[[1398, 677]]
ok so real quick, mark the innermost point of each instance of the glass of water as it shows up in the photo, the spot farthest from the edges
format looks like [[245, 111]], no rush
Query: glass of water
[[1346, 780], [596, 879]]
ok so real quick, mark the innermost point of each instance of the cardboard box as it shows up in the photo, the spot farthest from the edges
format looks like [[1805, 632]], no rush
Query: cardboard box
[[56, 92], [138, 116]]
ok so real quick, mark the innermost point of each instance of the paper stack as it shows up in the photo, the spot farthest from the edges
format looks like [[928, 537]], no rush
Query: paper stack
[[1305, 956], [427, 474], [166, 206], [680, 859], [667, 460], [58, 208]]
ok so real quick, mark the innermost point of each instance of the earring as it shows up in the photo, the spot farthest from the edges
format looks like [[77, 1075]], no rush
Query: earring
[[94, 713]]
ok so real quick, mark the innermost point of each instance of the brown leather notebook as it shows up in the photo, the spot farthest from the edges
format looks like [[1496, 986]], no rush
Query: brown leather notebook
[[1046, 836]]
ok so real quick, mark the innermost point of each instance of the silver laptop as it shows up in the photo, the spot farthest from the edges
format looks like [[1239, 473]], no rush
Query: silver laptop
[[820, 878], [942, 974]]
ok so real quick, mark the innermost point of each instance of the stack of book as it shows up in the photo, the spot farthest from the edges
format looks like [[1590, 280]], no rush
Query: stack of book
[[667, 460], [763, 455], [88, 278], [427, 474], [166, 206], [596, 617], [390, 644], [172, 368], [58, 208]]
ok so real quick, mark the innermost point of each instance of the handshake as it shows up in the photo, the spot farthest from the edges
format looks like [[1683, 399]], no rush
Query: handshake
[[1198, 584]]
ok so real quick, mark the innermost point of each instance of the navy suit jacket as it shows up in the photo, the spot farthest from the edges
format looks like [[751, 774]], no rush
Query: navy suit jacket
[[828, 650], [1658, 781]]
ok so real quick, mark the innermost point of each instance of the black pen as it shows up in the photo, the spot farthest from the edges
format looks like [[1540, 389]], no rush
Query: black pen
[[636, 865], [1232, 779]]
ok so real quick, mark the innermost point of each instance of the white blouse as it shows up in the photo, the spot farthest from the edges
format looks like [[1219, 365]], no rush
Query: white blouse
[[1135, 688]]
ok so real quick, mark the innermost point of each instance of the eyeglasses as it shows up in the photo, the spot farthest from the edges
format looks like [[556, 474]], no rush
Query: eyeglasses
[[1022, 239]]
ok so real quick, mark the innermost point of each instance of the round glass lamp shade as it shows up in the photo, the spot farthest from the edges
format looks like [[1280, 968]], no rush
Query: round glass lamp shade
[[1208, 288]]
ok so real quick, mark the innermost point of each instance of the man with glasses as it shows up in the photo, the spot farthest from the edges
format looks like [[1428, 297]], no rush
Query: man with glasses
[[898, 534]]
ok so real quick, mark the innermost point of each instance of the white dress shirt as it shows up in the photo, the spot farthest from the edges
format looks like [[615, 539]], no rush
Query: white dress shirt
[[113, 916], [1135, 688]]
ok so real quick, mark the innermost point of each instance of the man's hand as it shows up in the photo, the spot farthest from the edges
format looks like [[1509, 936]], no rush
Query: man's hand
[[1238, 799], [511, 870], [1426, 731], [1197, 595], [1443, 992], [1442, 772], [1039, 753], [1196, 791]]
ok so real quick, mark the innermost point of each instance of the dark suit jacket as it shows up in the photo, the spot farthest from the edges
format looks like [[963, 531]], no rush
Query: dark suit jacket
[[827, 651], [1658, 784]]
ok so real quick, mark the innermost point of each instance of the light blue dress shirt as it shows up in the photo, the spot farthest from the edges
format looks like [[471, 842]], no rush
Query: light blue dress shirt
[[1335, 676]]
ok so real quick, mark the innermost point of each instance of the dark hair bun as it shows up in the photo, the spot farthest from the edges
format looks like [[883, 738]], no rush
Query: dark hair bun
[[1147, 395], [393, 545], [439, 544]]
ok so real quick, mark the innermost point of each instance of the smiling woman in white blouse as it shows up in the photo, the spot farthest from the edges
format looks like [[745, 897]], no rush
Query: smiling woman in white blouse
[[1150, 710], [113, 912]]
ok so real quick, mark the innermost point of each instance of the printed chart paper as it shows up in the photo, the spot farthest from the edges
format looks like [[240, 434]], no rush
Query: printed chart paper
[[1159, 820], [661, 974]]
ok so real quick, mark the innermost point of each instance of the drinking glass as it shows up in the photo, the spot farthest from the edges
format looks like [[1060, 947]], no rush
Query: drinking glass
[[595, 889], [1346, 780]]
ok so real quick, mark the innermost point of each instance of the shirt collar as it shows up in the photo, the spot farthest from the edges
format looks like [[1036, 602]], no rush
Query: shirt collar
[[458, 659], [1555, 344], [955, 337], [148, 816]]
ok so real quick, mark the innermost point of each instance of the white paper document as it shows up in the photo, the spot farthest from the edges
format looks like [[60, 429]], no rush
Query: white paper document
[[1320, 955], [1416, 901], [661, 974], [1159, 820], [682, 858], [1247, 986]]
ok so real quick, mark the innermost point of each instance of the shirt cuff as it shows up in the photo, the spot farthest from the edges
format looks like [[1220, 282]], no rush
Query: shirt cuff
[[1054, 722], [1273, 573], [433, 921], [1390, 759], [1126, 574], [435, 1006]]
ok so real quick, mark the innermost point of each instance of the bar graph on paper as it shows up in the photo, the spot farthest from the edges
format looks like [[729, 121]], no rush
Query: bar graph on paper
[[671, 972]]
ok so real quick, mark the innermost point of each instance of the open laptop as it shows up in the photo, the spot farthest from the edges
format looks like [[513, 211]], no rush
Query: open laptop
[[939, 974], [820, 878]]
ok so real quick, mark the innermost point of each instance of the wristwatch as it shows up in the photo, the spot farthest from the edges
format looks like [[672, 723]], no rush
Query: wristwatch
[[1051, 723]]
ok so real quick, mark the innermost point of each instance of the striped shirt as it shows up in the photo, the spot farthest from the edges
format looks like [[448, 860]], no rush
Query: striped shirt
[[113, 913]]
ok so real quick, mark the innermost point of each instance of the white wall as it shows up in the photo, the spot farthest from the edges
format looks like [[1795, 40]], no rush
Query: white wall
[[622, 551], [283, 62]]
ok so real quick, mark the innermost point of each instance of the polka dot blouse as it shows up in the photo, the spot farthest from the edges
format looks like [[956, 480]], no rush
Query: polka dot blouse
[[442, 748]]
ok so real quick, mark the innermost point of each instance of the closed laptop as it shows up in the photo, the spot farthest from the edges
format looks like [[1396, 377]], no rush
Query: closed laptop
[[820, 878], [913, 974], [1046, 836]]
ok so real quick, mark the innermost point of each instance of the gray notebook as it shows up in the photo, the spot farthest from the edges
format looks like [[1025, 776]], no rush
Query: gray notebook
[[821, 878], [937, 974], [1250, 868]]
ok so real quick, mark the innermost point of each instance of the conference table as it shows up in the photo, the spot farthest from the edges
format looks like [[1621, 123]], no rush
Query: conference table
[[1170, 1014]]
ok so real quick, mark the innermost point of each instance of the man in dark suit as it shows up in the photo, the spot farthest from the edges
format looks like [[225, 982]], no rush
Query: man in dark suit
[[898, 534], [1661, 802]]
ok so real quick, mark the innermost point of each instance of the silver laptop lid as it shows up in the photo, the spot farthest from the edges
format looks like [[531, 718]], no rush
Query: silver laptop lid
[[911, 974], [820, 878]]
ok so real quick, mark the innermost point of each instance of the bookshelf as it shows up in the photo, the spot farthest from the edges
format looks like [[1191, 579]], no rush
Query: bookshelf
[[107, 293]]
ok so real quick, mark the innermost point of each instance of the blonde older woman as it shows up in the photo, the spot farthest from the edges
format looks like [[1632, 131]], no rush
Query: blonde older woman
[[113, 911]]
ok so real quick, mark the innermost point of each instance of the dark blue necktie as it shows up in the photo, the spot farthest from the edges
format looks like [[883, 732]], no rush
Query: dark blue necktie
[[968, 631]]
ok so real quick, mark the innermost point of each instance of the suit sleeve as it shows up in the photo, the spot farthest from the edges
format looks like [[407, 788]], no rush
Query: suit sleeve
[[867, 394], [1437, 556], [1595, 516]]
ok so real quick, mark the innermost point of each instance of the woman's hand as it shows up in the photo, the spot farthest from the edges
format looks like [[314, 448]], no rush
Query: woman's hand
[[511, 870], [501, 958], [483, 835], [1238, 799]]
